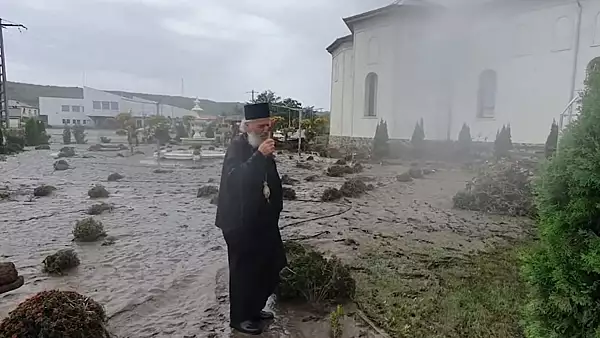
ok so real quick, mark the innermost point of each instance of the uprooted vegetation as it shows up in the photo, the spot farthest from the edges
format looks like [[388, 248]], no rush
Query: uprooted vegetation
[[61, 262], [500, 188], [88, 230], [352, 188], [207, 191], [114, 177], [99, 208], [342, 170], [43, 190], [56, 314], [310, 277]]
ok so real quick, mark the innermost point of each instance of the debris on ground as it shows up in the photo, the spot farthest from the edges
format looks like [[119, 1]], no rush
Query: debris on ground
[[9, 277], [43, 190], [88, 230], [115, 177], [501, 188], [331, 194], [120, 155], [108, 241], [215, 200], [66, 152], [357, 168], [162, 171], [339, 170], [56, 314], [207, 191], [415, 172], [353, 187], [310, 158], [287, 180], [313, 278], [60, 262], [99, 208], [98, 191], [311, 178], [289, 194], [3, 158], [61, 165], [304, 165], [139, 152], [42, 147], [341, 161]]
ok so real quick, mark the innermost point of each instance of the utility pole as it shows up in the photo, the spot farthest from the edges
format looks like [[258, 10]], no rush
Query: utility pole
[[3, 96], [252, 92]]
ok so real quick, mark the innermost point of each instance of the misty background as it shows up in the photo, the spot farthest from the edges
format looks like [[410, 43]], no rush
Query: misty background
[[221, 48]]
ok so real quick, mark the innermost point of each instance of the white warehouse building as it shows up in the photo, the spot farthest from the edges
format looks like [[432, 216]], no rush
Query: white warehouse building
[[97, 106], [501, 62]]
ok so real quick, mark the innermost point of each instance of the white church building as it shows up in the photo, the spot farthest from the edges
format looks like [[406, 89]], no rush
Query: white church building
[[517, 62]]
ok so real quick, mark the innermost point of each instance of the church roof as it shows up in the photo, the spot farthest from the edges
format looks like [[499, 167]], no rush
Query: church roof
[[389, 9], [339, 41], [386, 10]]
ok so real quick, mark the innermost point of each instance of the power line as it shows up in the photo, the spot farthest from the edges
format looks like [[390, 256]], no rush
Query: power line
[[3, 92]]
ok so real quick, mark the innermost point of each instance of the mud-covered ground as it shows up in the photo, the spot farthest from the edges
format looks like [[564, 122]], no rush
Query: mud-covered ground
[[166, 275]]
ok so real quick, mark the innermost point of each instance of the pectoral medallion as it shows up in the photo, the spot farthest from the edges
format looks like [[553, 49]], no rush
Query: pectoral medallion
[[266, 190]]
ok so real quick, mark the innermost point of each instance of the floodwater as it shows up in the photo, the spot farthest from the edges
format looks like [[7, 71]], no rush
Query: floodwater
[[166, 273]]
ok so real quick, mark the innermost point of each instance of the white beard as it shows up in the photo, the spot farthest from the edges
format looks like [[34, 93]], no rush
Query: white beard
[[255, 140]]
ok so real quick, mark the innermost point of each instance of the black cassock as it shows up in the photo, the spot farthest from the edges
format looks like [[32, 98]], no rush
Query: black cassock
[[250, 226]]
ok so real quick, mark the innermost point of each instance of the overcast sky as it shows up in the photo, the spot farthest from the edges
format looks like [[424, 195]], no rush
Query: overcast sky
[[222, 48]]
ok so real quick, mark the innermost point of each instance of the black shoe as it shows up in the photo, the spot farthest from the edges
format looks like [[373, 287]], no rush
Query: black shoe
[[248, 327], [266, 315]]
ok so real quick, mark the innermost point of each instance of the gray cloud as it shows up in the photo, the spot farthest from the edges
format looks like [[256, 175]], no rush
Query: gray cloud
[[222, 48]]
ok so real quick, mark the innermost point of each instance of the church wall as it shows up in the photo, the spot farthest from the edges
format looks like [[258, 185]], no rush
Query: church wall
[[431, 69], [373, 54]]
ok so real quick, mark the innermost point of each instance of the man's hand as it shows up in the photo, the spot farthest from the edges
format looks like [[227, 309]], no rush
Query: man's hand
[[267, 147]]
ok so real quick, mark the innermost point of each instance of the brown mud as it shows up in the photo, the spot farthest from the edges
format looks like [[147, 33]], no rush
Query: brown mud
[[165, 274]]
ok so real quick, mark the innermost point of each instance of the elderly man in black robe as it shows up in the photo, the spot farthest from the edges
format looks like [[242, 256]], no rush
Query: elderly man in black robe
[[249, 205]]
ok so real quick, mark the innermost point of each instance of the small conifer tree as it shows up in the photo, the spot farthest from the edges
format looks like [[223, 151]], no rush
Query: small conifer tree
[[464, 139], [503, 143], [418, 138], [380, 141], [67, 135], [563, 271], [552, 140]]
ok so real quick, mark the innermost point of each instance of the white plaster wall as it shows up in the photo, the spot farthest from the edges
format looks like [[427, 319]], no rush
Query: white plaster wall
[[373, 52], [341, 89], [530, 48], [533, 69]]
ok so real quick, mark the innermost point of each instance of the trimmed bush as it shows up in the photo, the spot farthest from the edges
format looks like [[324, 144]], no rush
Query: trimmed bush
[[311, 277], [563, 271], [53, 314], [60, 262], [418, 139], [67, 135], [88, 230]]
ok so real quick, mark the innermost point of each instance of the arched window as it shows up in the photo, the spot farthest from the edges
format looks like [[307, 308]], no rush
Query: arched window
[[371, 94], [486, 95]]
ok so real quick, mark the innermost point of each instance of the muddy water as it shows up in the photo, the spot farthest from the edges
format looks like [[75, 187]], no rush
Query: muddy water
[[165, 276]]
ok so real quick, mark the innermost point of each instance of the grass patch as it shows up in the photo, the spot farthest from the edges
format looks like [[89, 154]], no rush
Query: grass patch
[[480, 296]]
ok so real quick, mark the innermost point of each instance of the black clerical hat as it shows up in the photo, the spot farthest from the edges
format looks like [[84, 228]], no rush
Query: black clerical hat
[[256, 111]]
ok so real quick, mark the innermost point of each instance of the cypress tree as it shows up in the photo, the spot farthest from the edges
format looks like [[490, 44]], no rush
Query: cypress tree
[[563, 271]]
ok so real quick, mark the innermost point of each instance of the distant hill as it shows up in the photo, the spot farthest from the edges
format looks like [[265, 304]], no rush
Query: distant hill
[[30, 94]]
